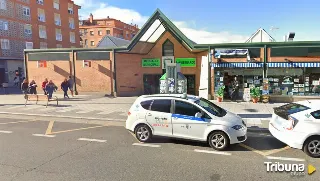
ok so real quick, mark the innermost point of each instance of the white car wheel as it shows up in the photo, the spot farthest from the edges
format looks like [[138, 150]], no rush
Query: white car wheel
[[143, 133], [218, 140], [312, 147]]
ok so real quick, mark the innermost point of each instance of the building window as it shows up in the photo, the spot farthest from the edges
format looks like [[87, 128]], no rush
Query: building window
[[92, 43], [4, 25], [29, 45], [57, 19], [42, 32], [70, 8], [5, 44], [40, 2], [41, 15], [167, 48], [72, 37], [27, 29], [42, 64], [3, 4], [58, 35], [71, 23], [59, 46], [91, 33], [108, 32], [26, 11], [56, 4], [100, 33]]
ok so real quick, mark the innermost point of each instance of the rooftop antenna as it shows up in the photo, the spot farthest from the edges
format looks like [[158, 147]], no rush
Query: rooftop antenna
[[272, 29]]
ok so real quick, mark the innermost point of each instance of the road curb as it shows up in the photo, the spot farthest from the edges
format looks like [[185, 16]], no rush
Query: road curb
[[59, 116]]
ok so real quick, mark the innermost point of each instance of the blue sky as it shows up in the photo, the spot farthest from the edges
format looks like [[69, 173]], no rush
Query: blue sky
[[237, 19]]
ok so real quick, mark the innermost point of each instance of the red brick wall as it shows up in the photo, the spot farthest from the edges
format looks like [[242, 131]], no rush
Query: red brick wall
[[96, 78], [55, 71], [130, 71]]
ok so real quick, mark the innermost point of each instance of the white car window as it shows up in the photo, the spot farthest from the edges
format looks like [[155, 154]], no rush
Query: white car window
[[161, 105], [316, 114]]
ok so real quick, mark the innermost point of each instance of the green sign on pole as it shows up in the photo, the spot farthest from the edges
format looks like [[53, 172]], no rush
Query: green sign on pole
[[151, 62], [186, 62]]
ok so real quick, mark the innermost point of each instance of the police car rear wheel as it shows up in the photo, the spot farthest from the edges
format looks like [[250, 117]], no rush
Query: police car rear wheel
[[143, 133], [218, 140], [312, 147]]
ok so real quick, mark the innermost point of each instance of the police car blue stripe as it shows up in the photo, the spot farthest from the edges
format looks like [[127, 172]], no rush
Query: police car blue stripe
[[187, 117]]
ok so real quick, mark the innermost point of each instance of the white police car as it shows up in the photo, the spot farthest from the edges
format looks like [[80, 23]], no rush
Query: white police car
[[298, 125], [185, 116]]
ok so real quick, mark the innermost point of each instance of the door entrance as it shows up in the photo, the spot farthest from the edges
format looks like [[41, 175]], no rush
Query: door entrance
[[151, 83], [2, 75], [191, 84]]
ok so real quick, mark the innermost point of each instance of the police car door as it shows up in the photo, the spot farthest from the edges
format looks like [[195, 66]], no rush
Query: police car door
[[159, 117], [184, 122]]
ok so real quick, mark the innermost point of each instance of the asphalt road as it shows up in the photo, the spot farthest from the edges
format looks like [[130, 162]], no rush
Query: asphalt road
[[53, 150]]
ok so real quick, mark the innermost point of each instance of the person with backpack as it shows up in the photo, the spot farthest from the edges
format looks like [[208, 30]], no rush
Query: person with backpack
[[65, 86], [50, 88]]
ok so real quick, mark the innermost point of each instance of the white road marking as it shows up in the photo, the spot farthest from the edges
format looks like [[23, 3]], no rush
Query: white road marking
[[64, 110], [148, 145], [96, 140], [46, 109], [29, 107], [84, 111], [286, 158], [5, 131], [43, 135], [105, 112], [213, 152]]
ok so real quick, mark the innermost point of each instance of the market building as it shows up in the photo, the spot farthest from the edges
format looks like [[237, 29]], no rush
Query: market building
[[134, 68]]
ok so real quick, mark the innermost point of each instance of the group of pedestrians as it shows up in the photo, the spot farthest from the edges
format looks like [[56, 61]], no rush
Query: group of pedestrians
[[48, 87]]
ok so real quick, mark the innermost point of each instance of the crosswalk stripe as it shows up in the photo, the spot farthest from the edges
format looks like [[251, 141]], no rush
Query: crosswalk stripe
[[84, 111]]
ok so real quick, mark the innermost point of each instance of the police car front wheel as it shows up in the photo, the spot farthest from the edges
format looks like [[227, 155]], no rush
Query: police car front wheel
[[218, 140]]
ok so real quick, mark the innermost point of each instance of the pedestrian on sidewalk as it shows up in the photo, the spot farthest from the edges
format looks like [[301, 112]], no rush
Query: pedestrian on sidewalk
[[33, 87], [25, 87], [50, 88], [71, 83], [16, 81], [44, 83], [65, 86]]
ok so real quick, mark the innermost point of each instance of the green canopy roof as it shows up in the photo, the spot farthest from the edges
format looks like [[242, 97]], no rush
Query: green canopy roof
[[180, 76]]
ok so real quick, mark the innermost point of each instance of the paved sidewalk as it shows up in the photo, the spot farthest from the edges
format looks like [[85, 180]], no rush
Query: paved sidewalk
[[99, 107]]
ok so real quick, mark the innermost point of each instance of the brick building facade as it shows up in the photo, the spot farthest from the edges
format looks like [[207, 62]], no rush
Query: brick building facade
[[122, 71], [31, 24], [92, 30]]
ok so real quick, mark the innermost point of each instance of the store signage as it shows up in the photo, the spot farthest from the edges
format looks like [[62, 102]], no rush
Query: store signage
[[167, 59], [42, 64], [230, 52], [186, 62], [86, 63], [151, 62]]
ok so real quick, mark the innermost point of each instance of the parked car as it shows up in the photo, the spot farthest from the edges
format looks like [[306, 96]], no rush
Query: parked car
[[298, 125], [187, 117]]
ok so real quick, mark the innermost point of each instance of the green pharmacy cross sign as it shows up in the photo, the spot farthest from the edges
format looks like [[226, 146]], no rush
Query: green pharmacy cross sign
[[186, 62], [151, 62]]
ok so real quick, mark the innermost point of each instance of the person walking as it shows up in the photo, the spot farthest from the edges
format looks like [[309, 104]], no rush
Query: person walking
[[44, 83], [16, 81], [33, 87], [71, 83], [50, 88], [65, 86], [25, 87]]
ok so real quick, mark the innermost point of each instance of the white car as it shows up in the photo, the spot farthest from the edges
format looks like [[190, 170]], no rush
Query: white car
[[298, 125], [187, 117]]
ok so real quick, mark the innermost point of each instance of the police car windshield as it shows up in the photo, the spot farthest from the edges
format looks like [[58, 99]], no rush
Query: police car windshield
[[210, 107]]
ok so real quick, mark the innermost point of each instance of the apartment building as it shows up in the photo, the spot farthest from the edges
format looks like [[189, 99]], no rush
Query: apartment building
[[93, 30], [34, 24]]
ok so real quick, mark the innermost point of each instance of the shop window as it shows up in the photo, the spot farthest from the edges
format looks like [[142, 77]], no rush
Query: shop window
[[42, 64], [86, 63], [167, 48]]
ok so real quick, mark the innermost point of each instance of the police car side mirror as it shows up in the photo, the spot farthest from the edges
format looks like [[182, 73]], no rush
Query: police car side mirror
[[198, 115]]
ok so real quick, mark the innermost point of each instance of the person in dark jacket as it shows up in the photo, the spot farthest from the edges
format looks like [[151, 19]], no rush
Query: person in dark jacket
[[50, 88], [25, 86], [33, 87], [65, 87]]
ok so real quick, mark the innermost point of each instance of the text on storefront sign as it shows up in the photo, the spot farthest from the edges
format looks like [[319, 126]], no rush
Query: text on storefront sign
[[186, 62], [151, 62]]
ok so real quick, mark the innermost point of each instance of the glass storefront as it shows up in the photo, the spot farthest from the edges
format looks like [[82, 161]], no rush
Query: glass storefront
[[246, 77], [294, 81]]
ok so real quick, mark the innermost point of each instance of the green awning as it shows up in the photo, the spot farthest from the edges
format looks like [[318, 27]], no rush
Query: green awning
[[180, 76]]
